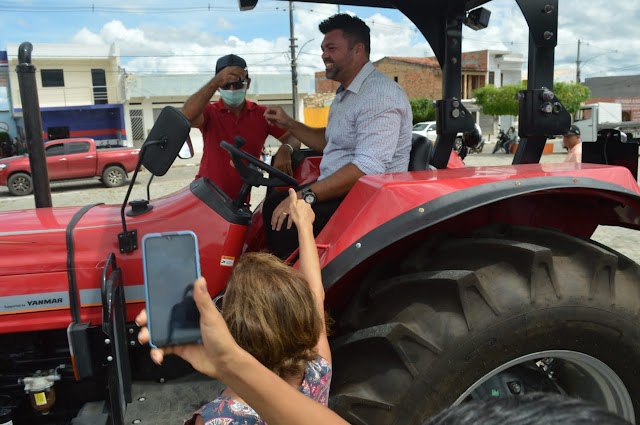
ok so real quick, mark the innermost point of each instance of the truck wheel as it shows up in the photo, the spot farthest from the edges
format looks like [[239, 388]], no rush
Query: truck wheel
[[505, 312], [20, 184], [114, 176]]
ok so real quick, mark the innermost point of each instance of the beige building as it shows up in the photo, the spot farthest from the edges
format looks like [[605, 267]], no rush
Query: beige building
[[79, 87], [83, 92]]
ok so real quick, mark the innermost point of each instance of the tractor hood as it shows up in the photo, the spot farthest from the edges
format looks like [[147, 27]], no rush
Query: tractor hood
[[22, 231]]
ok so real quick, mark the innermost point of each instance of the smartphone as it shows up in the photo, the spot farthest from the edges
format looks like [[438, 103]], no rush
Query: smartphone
[[171, 265]]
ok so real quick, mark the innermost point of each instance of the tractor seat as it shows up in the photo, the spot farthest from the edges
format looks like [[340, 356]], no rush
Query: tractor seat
[[421, 151]]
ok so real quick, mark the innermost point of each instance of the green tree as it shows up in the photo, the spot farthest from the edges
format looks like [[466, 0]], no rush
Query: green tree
[[498, 100], [571, 95], [423, 110], [502, 100]]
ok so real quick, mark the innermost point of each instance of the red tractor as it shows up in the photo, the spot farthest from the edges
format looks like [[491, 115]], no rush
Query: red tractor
[[445, 284]]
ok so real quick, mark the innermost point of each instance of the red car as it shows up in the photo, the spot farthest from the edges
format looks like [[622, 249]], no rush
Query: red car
[[69, 159]]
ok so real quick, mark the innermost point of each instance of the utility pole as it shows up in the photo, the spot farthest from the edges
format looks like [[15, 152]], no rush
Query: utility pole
[[578, 64], [294, 71]]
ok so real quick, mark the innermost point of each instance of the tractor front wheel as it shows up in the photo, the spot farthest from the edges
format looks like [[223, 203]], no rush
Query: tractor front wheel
[[504, 312]]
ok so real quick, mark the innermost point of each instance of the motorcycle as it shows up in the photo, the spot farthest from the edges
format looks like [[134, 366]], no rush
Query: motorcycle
[[469, 142], [502, 142]]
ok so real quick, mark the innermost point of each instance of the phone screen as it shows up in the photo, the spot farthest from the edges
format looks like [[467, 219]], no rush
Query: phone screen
[[171, 266]]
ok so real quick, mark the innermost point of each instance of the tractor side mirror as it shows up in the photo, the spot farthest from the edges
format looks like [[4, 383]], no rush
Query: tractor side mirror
[[186, 151], [164, 141]]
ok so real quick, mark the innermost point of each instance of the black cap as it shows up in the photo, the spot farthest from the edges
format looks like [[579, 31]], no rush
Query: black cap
[[574, 130], [230, 60]]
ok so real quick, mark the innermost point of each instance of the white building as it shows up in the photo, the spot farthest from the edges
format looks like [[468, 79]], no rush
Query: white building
[[83, 92], [148, 94], [79, 87]]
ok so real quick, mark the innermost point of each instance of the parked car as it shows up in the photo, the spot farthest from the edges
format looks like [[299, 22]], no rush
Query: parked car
[[426, 129], [69, 159]]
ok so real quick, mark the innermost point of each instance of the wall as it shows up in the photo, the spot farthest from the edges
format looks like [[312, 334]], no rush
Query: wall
[[323, 85], [626, 86], [78, 86], [630, 106], [418, 81], [316, 117], [104, 123]]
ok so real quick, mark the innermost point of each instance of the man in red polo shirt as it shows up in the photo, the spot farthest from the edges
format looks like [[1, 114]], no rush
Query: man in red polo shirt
[[232, 115]]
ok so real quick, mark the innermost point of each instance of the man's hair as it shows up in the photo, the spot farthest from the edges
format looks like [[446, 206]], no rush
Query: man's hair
[[529, 409], [271, 313], [354, 29]]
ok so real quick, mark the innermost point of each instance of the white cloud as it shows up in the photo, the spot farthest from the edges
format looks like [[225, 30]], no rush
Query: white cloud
[[84, 36], [150, 44]]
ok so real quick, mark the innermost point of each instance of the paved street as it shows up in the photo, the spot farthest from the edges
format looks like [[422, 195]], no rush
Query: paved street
[[182, 172]]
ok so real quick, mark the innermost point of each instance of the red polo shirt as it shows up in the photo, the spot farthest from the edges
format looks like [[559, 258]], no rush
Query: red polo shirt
[[221, 124]]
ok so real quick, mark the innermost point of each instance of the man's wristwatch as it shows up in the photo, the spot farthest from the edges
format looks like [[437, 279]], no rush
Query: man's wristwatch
[[308, 196]]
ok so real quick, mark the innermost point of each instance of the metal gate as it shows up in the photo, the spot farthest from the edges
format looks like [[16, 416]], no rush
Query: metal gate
[[137, 127]]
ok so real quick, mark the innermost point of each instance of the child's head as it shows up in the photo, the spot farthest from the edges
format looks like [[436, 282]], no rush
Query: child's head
[[271, 313]]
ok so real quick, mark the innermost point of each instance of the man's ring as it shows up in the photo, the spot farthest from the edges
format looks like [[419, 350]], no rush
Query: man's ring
[[284, 213]]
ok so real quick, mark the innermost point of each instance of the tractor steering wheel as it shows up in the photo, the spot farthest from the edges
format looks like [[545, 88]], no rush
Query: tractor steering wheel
[[252, 176]]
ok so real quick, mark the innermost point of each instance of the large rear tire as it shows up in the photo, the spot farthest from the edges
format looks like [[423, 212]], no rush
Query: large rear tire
[[533, 307]]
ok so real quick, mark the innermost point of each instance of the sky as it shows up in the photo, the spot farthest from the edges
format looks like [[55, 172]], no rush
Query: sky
[[182, 37]]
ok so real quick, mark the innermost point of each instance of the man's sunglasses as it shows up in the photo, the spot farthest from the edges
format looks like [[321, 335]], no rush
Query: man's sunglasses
[[235, 85]]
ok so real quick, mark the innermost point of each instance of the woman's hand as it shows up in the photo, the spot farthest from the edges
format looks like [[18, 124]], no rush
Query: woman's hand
[[217, 343], [299, 212]]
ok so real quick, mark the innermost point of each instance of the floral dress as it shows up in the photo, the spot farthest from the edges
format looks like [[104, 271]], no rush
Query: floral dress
[[228, 411]]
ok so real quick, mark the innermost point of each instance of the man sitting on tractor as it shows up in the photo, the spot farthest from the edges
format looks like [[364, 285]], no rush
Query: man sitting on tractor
[[368, 132]]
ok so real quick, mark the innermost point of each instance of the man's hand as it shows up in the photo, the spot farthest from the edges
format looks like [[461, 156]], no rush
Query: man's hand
[[230, 74], [282, 160], [275, 115], [217, 342]]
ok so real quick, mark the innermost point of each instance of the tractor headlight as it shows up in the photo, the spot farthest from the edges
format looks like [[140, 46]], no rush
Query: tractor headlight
[[3, 166]]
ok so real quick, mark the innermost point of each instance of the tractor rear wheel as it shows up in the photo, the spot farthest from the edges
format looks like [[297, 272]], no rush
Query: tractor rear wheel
[[504, 312]]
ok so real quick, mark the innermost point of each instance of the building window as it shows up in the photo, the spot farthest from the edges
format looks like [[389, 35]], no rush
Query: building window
[[52, 78], [395, 79], [99, 81], [492, 77]]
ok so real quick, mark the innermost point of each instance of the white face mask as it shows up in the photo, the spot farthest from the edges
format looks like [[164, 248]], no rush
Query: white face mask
[[233, 98]]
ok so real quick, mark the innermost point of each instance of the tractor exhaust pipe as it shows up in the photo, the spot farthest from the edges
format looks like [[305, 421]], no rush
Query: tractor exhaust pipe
[[33, 126]]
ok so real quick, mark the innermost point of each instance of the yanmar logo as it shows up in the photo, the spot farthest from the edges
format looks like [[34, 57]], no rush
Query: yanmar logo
[[45, 302]]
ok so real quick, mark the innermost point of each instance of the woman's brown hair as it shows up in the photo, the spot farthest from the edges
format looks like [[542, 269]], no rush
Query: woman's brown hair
[[271, 313]]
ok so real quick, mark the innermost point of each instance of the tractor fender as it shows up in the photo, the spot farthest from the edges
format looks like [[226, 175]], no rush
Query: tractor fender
[[465, 201]]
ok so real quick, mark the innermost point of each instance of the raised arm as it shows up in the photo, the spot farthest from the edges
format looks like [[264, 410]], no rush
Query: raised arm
[[195, 104], [302, 215], [310, 136], [221, 358]]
